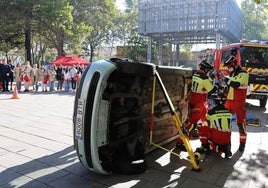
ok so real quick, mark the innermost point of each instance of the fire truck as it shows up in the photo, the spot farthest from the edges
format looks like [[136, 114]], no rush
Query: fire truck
[[252, 55]]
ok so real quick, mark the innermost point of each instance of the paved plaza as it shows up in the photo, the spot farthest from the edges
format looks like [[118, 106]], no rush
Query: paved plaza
[[36, 150]]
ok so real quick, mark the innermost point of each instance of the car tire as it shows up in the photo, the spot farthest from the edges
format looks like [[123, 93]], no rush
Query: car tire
[[123, 163], [130, 167], [263, 102]]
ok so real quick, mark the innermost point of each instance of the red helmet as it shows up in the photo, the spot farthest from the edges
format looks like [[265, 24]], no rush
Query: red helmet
[[205, 65]]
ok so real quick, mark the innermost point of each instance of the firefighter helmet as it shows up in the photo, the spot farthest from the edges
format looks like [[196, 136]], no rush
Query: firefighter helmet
[[205, 65], [219, 98]]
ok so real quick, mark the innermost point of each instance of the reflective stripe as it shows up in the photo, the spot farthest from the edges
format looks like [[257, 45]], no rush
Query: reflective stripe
[[243, 87], [221, 130], [194, 86], [201, 92], [221, 120], [221, 124], [201, 85], [217, 124], [243, 136], [204, 137]]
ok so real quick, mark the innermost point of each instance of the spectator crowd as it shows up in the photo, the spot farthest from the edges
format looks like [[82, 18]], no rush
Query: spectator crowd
[[39, 79]]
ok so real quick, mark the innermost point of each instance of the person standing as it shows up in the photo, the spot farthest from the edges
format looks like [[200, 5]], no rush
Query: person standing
[[201, 87], [35, 77], [1, 73], [42, 74], [18, 75], [67, 79], [6, 71], [237, 83], [27, 75], [73, 74], [11, 74], [59, 77], [52, 78]]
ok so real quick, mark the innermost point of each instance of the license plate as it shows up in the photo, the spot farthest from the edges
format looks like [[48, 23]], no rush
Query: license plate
[[79, 119]]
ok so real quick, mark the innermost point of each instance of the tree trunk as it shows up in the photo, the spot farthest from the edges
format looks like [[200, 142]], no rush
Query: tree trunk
[[91, 53], [60, 43], [28, 37]]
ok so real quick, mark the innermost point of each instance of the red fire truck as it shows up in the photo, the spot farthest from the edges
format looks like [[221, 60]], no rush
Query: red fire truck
[[252, 55]]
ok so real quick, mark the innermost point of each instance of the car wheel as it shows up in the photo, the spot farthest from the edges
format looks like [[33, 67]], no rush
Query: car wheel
[[263, 102], [124, 163]]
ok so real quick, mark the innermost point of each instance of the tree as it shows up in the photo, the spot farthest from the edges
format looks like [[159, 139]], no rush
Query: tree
[[99, 16], [24, 13], [12, 33], [264, 2], [255, 17], [126, 27], [136, 49], [55, 23], [53, 20]]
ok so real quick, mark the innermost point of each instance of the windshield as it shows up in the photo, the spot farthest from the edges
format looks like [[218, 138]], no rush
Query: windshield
[[252, 56]]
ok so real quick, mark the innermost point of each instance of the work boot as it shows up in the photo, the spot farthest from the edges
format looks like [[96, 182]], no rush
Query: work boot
[[226, 149], [228, 154], [242, 146], [200, 150], [181, 147], [204, 149]]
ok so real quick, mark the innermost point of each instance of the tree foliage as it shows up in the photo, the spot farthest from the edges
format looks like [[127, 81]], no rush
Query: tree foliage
[[97, 14], [127, 27], [50, 19], [12, 34], [76, 26], [264, 2], [255, 20], [54, 24]]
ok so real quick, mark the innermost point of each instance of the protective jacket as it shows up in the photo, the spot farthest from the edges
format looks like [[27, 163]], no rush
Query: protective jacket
[[236, 99], [219, 119], [201, 87], [238, 84]]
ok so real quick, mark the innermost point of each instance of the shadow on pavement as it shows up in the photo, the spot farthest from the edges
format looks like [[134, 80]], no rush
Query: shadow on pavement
[[62, 169]]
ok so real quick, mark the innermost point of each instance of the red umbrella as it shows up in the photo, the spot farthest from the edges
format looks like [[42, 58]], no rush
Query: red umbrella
[[70, 61]]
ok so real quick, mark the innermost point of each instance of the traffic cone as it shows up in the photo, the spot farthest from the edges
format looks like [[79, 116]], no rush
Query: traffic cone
[[15, 93]]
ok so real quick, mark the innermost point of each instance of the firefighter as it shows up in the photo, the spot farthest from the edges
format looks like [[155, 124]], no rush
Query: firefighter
[[198, 103], [219, 119], [237, 83]]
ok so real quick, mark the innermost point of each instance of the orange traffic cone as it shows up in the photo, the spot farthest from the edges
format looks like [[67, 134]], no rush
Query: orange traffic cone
[[15, 93]]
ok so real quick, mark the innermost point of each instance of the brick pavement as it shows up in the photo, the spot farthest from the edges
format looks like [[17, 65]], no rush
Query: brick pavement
[[36, 151]]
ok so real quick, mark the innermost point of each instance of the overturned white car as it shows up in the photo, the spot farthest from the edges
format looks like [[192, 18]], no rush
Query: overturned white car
[[113, 113]]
